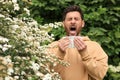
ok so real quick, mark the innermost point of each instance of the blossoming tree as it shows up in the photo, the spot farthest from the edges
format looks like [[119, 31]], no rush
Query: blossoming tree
[[23, 42]]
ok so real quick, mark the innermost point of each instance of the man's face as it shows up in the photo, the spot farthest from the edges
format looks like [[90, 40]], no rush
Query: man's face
[[73, 23]]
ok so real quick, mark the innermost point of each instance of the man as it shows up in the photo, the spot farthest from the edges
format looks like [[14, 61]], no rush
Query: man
[[87, 59]]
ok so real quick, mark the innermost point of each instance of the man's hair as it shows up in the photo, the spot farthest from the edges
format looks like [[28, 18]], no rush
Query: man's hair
[[71, 9]]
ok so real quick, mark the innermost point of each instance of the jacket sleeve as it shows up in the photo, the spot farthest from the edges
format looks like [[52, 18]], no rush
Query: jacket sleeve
[[95, 61]]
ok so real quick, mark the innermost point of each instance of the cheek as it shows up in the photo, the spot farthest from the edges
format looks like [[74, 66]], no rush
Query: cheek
[[80, 26], [79, 29], [67, 24], [67, 28]]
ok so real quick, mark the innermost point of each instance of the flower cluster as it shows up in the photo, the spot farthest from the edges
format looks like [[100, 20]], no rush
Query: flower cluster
[[6, 65], [4, 46], [23, 44], [115, 69], [49, 26]]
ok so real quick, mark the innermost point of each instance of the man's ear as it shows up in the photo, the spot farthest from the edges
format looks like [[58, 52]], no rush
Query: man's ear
[[83, 23]]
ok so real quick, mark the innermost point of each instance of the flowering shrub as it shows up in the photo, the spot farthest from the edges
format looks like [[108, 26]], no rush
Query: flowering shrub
[[23, 44], [114, 72], [114, 69]]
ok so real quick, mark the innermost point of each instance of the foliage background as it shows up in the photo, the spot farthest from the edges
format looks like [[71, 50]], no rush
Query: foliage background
[[101, 17]]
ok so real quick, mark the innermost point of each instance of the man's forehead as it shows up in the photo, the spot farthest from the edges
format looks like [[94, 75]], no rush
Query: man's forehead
[[73, 14]]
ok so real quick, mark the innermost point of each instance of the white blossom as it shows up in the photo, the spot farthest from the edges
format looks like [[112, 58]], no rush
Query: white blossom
[[7, 60], [8, 78], [14, 26], [16, 7], [9, 19], [2, 15], [51, 25], [3, 39], [16, 77], [4, 49], [47, 77], [10, 71], [35, 66], [27, 11], [14, 1], [6, 45], [114, 68]]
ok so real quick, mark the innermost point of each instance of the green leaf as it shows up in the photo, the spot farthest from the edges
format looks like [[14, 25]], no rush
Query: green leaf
[[117, 34], [96, 31], [113, 1]]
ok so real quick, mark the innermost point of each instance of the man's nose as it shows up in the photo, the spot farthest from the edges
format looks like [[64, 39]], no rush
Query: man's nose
[[73, 21]]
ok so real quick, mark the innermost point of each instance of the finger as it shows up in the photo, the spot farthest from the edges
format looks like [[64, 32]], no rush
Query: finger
[[79, 43], [63, 44]]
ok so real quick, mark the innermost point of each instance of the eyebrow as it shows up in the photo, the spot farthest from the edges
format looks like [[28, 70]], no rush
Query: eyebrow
[[73, 17]]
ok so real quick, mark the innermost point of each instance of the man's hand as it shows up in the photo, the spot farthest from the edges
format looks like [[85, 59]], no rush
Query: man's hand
[[79, 44], [63, 44]]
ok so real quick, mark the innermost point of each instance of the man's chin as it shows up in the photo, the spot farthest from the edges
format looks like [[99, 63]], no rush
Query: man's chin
[[73, 34]]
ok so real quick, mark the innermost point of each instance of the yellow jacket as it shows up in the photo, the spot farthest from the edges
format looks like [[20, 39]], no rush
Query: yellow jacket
[[90, 64]]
